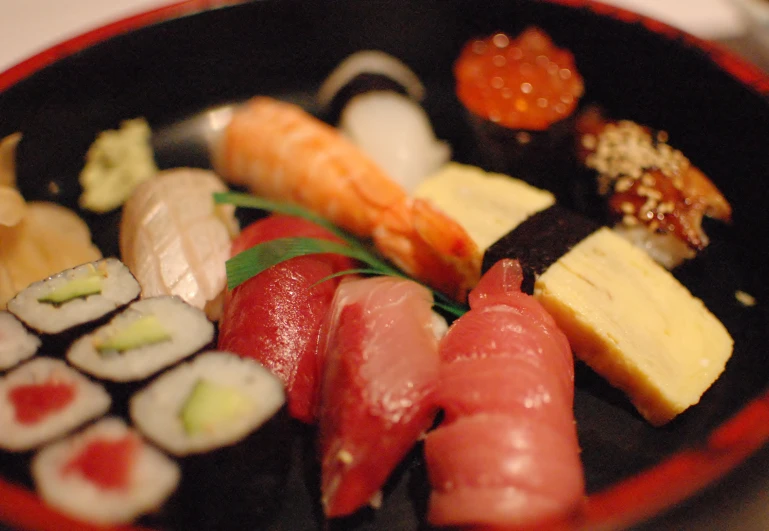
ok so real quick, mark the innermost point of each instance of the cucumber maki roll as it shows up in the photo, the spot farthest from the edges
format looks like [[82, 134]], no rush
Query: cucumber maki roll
[[105, 474], [224, 418], [16, 343], [75, 296], [148, 336]]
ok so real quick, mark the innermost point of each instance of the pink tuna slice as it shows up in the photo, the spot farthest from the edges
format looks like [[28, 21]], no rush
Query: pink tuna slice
[[381, 367], [275, 316], [507, 453]]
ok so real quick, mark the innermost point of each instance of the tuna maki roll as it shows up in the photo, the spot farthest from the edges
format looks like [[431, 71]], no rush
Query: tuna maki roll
[[16, 343], [224, 417], [43, 400], [148, 336], [104, 475], [75, 296]]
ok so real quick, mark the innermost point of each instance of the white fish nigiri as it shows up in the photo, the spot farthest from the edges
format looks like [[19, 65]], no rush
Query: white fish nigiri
[[175, 240], [396, 133]]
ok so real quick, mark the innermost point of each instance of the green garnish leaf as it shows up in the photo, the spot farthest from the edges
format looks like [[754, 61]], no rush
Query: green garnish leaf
[[252, 201], [253, 261]]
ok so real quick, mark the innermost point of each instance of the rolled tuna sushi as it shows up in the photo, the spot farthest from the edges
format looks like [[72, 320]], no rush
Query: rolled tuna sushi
[[75, 296], [223, 417], [16, 342], [43, 400], [104, 475]]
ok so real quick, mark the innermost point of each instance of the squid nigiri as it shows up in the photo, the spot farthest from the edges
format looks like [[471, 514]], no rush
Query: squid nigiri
[[380, 369], [279, 151], [175, 240], [506, 454], [275, 317]]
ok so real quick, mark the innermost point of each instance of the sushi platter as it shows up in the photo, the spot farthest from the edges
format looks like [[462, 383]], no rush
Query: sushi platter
[[282, 264]]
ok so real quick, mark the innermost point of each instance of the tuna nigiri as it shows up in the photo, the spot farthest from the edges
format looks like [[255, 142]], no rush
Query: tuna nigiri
[[275, 316], [381, 367], [506, 453]]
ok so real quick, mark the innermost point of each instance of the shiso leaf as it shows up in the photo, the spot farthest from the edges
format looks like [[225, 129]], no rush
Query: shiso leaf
[[251, 262]]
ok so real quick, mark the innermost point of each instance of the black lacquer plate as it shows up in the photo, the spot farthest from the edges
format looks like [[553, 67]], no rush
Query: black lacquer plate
[[172, 64]]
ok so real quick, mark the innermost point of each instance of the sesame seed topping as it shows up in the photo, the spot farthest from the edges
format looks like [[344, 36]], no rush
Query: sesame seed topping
[[589, 141]]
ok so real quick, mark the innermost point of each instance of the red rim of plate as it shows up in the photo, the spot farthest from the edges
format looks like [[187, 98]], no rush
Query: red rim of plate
[[625, 503]]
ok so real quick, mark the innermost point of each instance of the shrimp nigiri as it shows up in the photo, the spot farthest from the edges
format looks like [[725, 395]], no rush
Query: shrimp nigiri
[[175, 240], [506, 453], [279, 151]]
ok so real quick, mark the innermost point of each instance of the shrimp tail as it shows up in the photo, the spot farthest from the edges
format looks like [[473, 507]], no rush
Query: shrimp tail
[[430, 246]]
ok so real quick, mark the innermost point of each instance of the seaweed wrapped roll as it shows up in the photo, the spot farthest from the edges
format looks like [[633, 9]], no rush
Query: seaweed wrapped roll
[[44, 399], [148, 336], [75, 296], [223, 416], [16, 343], [105, 475]]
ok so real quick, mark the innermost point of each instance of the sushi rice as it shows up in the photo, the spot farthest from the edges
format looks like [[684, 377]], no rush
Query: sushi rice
[[90, 401], [187, 328], [152, 479], [117, 288], [16, 342], [156, 409]]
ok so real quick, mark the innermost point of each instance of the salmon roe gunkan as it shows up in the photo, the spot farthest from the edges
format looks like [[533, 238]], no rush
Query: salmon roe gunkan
[[524, 83]]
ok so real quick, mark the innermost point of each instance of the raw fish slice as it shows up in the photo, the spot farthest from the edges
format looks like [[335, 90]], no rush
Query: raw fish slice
[[468, 387], [381, 368], [502, 470], [275, 316], [507, 452], [175, 240]]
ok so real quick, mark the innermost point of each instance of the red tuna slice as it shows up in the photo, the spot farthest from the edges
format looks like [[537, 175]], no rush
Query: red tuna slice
[[507, 454], [502, 330], [275, 316], [501, 470], [500, 385], [381, 368], [34, 402], [106, 463]]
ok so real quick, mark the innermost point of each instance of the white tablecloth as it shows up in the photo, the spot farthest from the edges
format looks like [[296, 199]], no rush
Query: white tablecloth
[[29, 26]]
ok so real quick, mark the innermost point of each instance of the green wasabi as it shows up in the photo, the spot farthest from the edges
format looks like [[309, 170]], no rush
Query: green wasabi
[[211, 405]]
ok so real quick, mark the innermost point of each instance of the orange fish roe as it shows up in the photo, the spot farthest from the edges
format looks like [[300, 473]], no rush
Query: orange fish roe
[[527, 83]]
